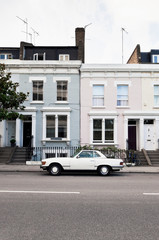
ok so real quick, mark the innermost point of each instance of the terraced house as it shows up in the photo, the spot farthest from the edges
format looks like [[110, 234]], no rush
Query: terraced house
[[119, 106], [51, 76]]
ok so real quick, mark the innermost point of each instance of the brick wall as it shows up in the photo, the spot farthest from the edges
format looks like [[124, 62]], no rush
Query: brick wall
[[135, 56]]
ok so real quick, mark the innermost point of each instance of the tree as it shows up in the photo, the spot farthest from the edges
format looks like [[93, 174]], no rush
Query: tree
[[10, 100]]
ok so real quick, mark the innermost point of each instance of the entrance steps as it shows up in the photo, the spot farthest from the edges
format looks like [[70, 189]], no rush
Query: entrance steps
[[147, 157], [20, 155], [6, 154], [141, 158], [14, 155], [154, 157]]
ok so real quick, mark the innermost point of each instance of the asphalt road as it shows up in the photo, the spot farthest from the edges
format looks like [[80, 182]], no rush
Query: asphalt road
[[36, 206]]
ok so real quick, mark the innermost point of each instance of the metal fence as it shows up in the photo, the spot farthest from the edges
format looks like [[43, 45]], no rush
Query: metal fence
[[38, 153]]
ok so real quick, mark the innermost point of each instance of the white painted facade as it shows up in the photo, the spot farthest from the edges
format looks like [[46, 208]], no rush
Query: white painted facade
[[36, 111], [137, 118]]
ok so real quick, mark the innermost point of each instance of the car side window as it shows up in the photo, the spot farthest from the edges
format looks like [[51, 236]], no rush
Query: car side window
[[96, 154], [85, 154]]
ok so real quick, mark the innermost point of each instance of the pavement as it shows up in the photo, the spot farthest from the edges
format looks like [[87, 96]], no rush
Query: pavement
[[35, 167]]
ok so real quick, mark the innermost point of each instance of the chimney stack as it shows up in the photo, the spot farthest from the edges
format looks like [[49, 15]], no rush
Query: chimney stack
[[80, 43]]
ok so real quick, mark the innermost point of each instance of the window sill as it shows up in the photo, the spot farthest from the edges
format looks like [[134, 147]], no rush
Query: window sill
[[55, 140], [122, 107], [104, 143], [37, 102], [62, 102], [156, 107], [97, 107]]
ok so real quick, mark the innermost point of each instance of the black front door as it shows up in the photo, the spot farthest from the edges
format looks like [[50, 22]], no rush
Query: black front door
[[132, 137], [27, 130]]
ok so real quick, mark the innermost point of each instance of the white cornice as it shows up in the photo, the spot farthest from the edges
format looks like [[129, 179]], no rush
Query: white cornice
[[56, 109], [140, 113], [29, 109], [119, 71], [52, 67], [103, 113]]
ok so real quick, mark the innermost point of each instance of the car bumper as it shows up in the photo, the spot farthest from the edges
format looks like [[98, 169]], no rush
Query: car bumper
[[43, 167], [117, 168]]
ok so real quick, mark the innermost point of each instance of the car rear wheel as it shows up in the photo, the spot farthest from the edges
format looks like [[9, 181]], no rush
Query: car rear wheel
[[55, 169], [104, 170]]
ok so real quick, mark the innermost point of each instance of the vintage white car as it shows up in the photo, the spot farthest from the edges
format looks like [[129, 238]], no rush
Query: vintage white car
[[84, 160]]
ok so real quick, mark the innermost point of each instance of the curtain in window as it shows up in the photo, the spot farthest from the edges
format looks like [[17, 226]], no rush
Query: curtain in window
[[156, 95], [122, 95], [98, 95]]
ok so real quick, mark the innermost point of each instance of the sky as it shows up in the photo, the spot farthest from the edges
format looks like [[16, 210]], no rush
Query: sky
[[56, 20]]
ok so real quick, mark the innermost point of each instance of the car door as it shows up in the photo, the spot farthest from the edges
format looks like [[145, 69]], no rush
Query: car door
[[83, 161]]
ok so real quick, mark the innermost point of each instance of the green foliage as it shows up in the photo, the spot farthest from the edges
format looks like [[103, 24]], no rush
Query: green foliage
[[10, 100]]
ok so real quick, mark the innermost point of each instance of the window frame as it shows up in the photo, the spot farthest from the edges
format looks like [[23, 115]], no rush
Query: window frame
[[68, 80], [36, 56], [34, 79], [62, 92], [107, 115], [155, 95], [64, 57], [122, 99], [103, 131], [6, 56], [38, 92], [56, 126], [97, 97], [60, 112], [154, 58]]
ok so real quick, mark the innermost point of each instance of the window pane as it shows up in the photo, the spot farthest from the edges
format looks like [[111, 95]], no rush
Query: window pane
[[98, 95], [109, 130], [156, 95], [62, 126], [50, 126], [62, 91], [2, 56], [97, 130], [37, 91], [122, 95]]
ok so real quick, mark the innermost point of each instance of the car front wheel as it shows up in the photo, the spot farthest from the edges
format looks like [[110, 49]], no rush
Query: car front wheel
[[55, 169], [104, 170]]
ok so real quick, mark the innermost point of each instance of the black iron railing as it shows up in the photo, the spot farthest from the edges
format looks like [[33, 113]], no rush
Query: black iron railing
[[38, 153]]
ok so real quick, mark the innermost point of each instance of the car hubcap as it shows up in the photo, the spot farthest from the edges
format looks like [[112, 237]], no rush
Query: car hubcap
[[54, 169], [104, 170]]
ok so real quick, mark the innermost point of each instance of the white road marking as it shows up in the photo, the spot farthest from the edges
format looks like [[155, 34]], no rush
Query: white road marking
[[151, 194], [43, 192]]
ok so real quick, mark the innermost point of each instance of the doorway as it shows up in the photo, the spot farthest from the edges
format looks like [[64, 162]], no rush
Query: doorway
[[131, 135], [27, 131], [149, 135]]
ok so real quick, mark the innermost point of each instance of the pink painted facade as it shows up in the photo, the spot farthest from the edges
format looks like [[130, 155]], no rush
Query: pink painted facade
[[112, 107]]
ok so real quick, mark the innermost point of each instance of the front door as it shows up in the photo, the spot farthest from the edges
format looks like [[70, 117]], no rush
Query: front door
[[11, 131], [149, 135], [27, 132], [132, 135]]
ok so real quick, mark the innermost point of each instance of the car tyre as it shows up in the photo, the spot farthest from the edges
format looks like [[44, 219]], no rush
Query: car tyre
[[55, 169], [104, 170]]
